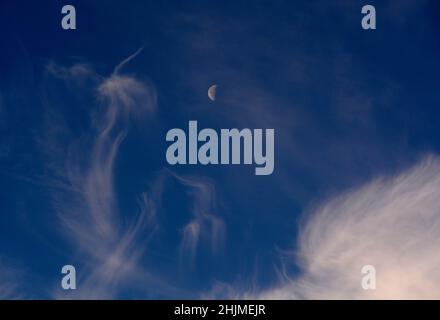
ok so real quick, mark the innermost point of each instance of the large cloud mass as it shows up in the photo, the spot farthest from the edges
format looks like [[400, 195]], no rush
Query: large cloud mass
[[391, 223]]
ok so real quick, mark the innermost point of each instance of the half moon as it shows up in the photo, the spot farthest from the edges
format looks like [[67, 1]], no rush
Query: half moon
[[212, 91]]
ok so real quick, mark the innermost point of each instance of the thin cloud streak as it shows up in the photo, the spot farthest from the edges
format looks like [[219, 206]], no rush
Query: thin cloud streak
[[126, 61]]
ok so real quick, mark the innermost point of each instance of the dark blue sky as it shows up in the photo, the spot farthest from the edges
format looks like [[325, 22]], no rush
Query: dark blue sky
[[347, 105]]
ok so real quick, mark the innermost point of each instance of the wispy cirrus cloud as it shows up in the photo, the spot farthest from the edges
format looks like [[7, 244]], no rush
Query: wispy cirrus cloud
[[87, 205], [205, 224]]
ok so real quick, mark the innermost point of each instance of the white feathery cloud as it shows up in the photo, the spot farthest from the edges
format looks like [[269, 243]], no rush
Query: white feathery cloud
[[205, 224], [126, 96], [88, 206], [391, 223]]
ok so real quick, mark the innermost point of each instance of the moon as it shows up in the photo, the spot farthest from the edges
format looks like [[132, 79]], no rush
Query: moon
[[212, 91]]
